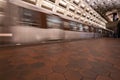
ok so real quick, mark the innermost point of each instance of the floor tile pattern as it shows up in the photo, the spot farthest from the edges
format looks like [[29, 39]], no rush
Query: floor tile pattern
[[97, 59]]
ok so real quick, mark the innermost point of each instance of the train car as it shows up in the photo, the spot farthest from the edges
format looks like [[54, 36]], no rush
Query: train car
[[28, 24]]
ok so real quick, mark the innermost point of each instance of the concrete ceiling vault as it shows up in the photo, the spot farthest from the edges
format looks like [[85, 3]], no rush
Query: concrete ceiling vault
[[105, 7]]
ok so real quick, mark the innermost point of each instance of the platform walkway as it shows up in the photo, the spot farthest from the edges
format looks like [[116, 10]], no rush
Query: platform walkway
[[97, 59]]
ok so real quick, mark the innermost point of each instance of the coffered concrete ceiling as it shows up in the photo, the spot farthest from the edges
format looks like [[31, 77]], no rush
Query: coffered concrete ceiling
[[105, 7]]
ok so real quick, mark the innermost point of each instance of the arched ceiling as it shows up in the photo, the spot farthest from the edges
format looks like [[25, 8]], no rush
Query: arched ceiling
[[105, 7]]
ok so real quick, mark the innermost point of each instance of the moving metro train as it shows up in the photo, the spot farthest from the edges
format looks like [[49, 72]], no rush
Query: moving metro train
[[26, 25]]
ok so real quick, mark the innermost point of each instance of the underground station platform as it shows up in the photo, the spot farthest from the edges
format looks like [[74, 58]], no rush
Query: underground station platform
[[94, 59]]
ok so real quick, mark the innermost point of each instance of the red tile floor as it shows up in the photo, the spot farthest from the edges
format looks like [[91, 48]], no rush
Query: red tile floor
[[77, 60]]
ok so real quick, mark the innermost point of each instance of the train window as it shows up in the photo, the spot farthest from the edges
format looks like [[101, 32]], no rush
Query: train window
[[73, 26], [80, 27], [1, 18], [92, 29], [54, 21], [2, 6], [2, 10], [29, 17], [63, 4], [31, 1], [86, 28], [26, 15], [66, 25], [99, 30]]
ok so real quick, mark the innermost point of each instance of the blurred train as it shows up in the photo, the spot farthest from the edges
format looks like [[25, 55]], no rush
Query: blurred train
[[25, 24]]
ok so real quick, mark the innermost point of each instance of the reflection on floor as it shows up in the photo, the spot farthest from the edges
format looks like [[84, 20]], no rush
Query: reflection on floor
[[79, 60]]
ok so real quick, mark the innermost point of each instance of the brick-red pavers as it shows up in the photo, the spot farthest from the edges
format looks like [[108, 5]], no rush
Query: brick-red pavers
[[78, 60]]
